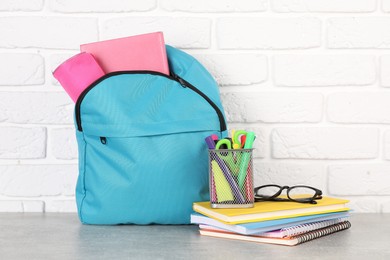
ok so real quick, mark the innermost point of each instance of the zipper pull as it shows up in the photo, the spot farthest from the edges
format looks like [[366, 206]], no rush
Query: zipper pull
[[180, 80], [103, 140]]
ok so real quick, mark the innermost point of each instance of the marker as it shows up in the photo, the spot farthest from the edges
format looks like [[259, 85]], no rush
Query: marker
[[210, 142], [243, 139], [222, 187], [249, 185], [250, 137], [233, 142], [214, 137]]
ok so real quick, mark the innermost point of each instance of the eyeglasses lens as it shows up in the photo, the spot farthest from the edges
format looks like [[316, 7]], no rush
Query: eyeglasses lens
[[297, 193], [268, 191]]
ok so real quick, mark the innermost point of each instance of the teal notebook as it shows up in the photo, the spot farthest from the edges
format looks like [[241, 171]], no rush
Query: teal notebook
[[265, 226]]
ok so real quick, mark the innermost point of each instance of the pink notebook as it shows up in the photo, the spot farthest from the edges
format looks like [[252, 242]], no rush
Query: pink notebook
[[139, 52]]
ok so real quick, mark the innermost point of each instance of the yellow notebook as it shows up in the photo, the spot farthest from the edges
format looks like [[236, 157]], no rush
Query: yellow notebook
[[270, 210]]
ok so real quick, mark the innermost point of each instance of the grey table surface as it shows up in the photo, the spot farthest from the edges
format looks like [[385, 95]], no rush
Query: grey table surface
[[62, 236]]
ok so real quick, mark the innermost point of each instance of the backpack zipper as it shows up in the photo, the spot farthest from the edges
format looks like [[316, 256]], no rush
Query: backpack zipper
[[174, 77]]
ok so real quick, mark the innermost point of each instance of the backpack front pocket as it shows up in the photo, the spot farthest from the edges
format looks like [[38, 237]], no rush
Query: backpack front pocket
[[143, 180]]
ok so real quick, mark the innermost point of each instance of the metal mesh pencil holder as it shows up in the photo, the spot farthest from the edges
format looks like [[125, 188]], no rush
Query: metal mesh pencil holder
[[231, 178]]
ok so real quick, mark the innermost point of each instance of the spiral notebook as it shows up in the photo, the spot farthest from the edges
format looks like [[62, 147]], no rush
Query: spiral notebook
[[264, 226], [287, 241], [288, 231]]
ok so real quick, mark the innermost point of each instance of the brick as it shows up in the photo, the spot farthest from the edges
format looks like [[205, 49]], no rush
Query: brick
[[33, 206], [21, 69], [178, 31], [359, 32], [359, 179], [325, 142], [36, 108], [48, 32], [272, 107], [290, 174], [364, 205], [11, 206], [63, 144], [22, 143], [268, 33], [261, 144], [37, 180], [386, 5], [384, 71], [100, 6], [61, 206], [348, 107], [387, 145], [385, 207], [302, 6], [324, 70], [214, 6], [21, 206], [21, 5], [236, 69]]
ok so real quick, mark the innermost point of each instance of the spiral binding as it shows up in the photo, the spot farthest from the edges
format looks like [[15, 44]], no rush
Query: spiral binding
[[302, 238], [303, 228]]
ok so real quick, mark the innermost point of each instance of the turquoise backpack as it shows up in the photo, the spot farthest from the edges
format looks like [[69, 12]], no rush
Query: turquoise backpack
[[140, 135]]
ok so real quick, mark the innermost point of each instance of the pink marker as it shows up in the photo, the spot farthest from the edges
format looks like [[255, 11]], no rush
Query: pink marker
[[249, 185], [214, 137]]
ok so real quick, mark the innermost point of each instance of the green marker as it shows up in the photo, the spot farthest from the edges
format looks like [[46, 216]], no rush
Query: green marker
[[250, 138]]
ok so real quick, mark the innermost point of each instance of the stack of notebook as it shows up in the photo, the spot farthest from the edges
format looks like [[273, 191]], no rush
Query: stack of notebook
[[283, 223]]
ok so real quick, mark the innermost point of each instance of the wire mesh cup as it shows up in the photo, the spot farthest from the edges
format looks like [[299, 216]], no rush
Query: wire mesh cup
[[231, 178]]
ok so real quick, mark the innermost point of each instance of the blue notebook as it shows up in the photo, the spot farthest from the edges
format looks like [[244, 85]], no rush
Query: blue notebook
[[265, 226]]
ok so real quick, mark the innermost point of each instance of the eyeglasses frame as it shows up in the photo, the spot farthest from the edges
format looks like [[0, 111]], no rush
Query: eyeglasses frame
[[274, 197]]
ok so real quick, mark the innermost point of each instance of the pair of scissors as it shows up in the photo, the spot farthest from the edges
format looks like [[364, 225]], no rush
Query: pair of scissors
[[227, 156]]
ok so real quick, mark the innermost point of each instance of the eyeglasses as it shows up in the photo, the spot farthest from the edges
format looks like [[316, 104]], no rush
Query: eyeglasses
[[299, 193]]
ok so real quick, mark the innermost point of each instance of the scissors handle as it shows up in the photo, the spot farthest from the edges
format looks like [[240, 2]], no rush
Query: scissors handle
[[226, 142], [236, 139]]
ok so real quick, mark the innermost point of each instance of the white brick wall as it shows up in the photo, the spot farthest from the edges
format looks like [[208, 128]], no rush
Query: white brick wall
[[311, 78], [268, 33], [324, 70]]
